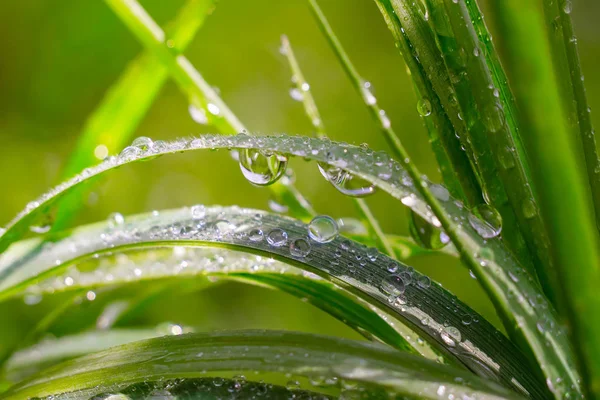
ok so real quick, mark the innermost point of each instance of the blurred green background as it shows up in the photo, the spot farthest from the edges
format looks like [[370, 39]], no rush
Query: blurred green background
[[59, 58]]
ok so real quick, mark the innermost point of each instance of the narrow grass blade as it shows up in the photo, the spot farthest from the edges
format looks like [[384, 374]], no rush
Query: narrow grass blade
[[200, 94], [274, 356], [310, 107], [456, 171], [49, 352], [424, 306], [116, 118]]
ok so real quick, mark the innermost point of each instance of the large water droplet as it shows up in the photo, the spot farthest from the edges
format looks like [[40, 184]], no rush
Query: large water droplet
[[489, 223], [300, 248], [393, 285], [323, 229], [277, 237], [262, 168], [424, 107], [426, 234], [143, 143], [345, 182]]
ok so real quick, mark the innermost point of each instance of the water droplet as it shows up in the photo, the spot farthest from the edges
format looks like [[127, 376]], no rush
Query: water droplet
[[440, 192], [255, 235], [529, 208], [424, 107], [489, 223], [130, 153], [213, 109], [90, 295], [198, 211], [300, 248], [277, 237], [323, 229], [277, 207], [143, 143], [506, 158], [568, 7], [476, 52], [198, 114], [393, 285], [425, 233], [345, 182], [424, 282], [262, 168], [296, 94], [40, 229], [115, 220], [368, 96]]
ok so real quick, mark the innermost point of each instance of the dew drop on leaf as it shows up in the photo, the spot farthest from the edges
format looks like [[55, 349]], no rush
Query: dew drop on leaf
[[198, 114], [486, 220], [323, 229], [255, 235], [393, 285], [115, 220], [424, 107], [262, 168], [300, 248], [345, 182], [529, 208], [198, 211], [296, 94], [426, 234], [277, 237], [143, 143]]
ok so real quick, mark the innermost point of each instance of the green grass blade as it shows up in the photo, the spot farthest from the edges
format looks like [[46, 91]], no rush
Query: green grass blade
[[116, 118], [200, 94], [49, 352], [454, 165], [310, 107], [274, 356]]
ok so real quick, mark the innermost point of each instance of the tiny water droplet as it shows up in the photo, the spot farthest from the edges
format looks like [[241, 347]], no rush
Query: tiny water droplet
[[213, 109], [345, 182], [198, 114], [529, 208], [260, 168], [424, 107], [198, 211], [277, 237], [296, 94], [486, 220], [323, 229], [368, 96], [115, 220], [300, 248]]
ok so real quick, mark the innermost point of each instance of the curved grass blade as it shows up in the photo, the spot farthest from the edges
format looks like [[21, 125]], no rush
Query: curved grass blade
[[454, 165], [118, 115], [274, 356], [26, 362], [200, 94], [407, 295], [312, 112], [527, 315]]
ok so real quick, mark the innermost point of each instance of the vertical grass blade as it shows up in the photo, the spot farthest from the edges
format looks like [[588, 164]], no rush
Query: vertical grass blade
[[312, 112], [454, 165], [200, 94], [113, 123]]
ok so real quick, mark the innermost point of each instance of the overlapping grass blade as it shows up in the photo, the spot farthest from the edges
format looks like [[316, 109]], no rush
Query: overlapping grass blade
[[276, 357], [115, 120], [310, 107], [526, 314], [200, 94], [454, 165]]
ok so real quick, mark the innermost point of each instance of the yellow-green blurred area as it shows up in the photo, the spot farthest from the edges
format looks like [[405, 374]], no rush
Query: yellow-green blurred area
[[60, 57]]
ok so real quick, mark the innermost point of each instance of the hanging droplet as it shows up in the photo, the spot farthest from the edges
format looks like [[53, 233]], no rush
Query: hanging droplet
[[115, 220], [424, 107], [486, 220], [300, 248], [393, 285], [277, 207], [345, 182], [277, 237], [262, 168], [426, 234], [323, 229], [198, 114]]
